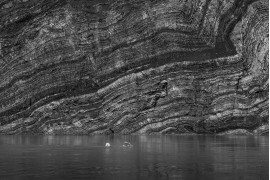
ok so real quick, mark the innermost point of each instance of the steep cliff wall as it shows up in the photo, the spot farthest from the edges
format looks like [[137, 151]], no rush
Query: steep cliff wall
[[134, 66]]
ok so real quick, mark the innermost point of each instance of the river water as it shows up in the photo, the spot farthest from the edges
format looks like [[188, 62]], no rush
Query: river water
[[151, 157]]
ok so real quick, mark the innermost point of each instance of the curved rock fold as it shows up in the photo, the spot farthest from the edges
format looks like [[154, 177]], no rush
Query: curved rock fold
[[134, 67]]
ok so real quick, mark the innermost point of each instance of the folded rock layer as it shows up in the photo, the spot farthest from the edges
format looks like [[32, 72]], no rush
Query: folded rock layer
[[134, 66]]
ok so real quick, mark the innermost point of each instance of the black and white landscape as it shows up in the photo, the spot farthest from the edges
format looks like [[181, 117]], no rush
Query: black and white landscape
[[110, 71]]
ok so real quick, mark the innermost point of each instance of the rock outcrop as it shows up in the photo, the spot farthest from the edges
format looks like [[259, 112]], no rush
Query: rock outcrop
[[134, 66]]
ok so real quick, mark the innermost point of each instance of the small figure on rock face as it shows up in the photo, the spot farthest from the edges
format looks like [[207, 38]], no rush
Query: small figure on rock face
[[107, 144], [127, 144]]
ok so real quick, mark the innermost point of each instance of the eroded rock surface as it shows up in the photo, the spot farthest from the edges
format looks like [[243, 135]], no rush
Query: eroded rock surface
[[134, 66]]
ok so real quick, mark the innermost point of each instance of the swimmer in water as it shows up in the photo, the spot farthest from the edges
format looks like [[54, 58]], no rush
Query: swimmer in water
[[127, 144]]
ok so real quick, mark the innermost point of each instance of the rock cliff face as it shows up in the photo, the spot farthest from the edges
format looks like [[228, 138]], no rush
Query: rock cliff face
[[134, 66]]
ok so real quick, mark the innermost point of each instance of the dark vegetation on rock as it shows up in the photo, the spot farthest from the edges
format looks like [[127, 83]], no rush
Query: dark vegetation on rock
[[134, 66]]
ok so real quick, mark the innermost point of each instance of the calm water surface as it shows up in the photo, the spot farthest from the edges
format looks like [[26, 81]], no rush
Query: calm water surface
[[151, 157]]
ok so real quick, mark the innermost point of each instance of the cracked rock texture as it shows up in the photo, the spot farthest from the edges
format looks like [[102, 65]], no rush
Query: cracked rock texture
[[134, 66]]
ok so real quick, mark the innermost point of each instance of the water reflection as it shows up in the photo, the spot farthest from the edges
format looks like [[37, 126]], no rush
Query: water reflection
[[151, 157]]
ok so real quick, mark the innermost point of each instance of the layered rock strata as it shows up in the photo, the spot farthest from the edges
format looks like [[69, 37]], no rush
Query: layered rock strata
[[134, 66]]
